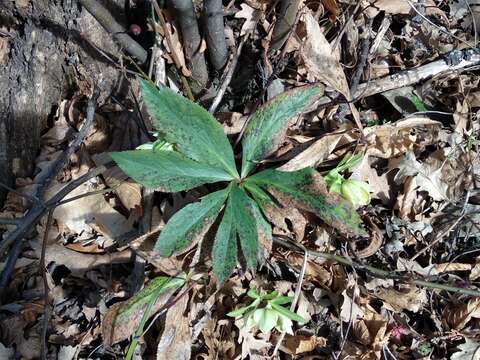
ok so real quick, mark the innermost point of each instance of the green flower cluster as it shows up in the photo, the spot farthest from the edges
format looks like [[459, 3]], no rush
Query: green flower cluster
[[266, 312], [355, 191]]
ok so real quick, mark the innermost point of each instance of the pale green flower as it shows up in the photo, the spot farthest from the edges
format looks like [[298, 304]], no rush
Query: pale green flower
[[272, 315], [356, 191]]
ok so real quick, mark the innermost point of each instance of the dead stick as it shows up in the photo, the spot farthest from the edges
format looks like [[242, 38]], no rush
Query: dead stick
[[62, 160], [455, 60], [38, 209], [43, 271], [379, 272], [228, 77], [298, 291]]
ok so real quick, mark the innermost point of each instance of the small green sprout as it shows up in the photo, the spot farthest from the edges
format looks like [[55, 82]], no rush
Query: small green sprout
[[266, 312], [355, 191], [157, 145]]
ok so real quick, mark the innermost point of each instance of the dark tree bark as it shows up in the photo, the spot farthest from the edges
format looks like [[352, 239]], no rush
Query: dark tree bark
[[41, 42], [185, 15], [215, 33]]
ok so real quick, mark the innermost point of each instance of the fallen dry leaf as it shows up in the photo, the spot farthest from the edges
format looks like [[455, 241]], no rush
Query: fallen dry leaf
[[314, 154], [412, 300], [470, 350], [320, 59], [247, 13], [90, 211], [427, 178], [300, 344], [458, 316], [176, 337], [393, 7], [122, 319], [378, 183]]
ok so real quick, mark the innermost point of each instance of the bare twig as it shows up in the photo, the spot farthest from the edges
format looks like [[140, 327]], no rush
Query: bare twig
[[298, 291], [38, 209], [43, 271], [138, 274], [345, 26], [167, 306], [436, 26], [474, 23], [379, 272], [440, 236], [215, 33], [58, 165], [455, 60], [364, 52], [5, 221], [228, 77], [271, 77], [30, 198], [9, 267], [105, 19], [231, 67]]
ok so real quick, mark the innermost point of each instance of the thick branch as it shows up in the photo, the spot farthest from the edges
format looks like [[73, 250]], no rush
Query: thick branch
[[105, 19], [215, 33], [185, 15], [453, 61]]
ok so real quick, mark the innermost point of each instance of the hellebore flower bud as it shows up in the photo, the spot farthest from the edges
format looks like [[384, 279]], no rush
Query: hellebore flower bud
[[357, 192]]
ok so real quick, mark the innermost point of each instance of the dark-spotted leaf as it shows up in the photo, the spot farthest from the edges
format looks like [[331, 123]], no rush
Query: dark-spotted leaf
[[191, 128], [245, 224], [224, 254], [268, 125], [167, 171], [264, 230], [306, 189], [190, 224]]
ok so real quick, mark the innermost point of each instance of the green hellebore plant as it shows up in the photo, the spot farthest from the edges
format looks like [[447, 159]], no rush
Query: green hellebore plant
[[271, 315], [200, 153], [355, 191]]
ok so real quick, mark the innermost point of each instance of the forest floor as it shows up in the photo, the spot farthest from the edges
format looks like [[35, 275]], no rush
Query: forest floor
[[401, 92]]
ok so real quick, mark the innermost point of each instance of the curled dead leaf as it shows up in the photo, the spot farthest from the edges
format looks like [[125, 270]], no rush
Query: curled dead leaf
[[300, 344], [457, 317], [413, 299]]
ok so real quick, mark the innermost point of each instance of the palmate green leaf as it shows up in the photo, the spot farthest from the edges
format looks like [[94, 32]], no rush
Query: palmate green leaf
[[245, 224], [242, 220], [224, 253], [268, 124], [264, 230], [306, 189], [191, 128], [167, 171], [190, 223]]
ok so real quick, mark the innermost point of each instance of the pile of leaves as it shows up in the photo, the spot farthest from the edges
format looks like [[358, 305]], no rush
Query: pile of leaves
[[327, 209]]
